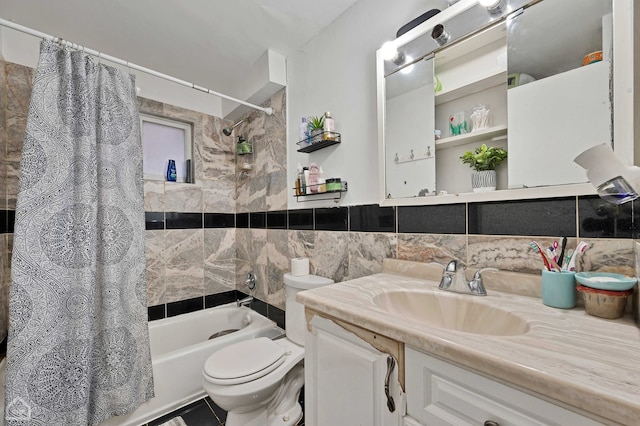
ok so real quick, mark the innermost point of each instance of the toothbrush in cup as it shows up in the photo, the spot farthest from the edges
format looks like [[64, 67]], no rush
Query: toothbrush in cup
[[537, 249], [552, 259], [581, 248]]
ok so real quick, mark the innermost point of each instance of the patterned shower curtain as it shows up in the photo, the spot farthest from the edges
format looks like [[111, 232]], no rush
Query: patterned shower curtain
[[78, 348]]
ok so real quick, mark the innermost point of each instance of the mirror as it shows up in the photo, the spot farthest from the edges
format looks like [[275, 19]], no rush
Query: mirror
[[410, 112], [543, 124], [565, 100]]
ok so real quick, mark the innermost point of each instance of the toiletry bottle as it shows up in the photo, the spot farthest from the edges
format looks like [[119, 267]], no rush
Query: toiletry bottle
[[305, 180], [329, 127], [171, 171], [300, 181], [312, 183], [304, 132]]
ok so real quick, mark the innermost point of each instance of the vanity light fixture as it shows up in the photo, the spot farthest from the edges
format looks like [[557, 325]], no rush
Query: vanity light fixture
[[493, 6]]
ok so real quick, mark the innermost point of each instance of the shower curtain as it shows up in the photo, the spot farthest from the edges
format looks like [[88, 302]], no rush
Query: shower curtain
[[78, 347]]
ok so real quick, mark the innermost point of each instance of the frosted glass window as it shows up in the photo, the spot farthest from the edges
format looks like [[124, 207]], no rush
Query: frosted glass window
[[163, 140]]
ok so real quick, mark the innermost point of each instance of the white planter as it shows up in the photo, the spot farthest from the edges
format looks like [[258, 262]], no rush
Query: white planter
[[484, 181]]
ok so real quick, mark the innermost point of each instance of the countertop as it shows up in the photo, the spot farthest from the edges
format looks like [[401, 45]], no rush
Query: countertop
[[584, 362]]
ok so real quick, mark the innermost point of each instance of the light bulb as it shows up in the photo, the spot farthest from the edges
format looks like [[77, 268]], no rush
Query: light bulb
[[388, 51], [491, 5]]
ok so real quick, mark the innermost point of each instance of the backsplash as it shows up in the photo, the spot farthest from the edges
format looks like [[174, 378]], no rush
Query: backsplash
[[203, 238]]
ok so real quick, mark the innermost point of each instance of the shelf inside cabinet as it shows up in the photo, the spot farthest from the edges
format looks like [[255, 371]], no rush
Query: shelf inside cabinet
[[326, 195], [473, 43], [319, 141], [493, 133], [483, 83]]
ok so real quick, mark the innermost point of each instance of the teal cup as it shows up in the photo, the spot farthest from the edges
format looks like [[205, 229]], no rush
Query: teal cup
[[559, 289]]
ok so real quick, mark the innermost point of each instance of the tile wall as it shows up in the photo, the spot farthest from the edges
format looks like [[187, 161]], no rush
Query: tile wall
[[203, 238]]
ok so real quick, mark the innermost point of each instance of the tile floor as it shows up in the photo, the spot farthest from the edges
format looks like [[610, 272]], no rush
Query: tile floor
[[206, 413]]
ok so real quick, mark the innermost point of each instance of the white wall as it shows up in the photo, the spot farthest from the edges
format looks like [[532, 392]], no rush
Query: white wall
[[336, 72], [24, 49]]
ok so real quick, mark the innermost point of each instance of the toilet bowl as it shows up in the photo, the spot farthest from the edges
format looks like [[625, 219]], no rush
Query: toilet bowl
[[258, 381]]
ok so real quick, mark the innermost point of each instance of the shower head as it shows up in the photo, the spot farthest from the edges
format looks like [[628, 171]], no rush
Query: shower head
[[227, 130]]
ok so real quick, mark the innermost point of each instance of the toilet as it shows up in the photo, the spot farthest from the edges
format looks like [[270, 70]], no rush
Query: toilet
[[258, 381]]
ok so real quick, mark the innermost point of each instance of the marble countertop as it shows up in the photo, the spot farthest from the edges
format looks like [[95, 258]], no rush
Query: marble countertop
[[588, 363]]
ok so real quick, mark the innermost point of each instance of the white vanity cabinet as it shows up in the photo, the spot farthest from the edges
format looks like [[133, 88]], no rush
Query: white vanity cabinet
[[440, 393], [345, 379]]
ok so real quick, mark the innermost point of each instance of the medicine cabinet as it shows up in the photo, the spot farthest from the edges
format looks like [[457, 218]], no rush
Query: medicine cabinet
[[524, 62]]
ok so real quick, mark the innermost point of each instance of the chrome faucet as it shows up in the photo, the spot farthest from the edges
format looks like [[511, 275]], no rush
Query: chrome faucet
[[245, 302], [454, 279]]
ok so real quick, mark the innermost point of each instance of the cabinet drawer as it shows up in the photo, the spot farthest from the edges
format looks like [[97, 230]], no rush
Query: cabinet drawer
[[439, 393]]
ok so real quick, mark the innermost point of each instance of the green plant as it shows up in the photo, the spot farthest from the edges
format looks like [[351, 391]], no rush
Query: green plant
[[484, 158], [316, 122]]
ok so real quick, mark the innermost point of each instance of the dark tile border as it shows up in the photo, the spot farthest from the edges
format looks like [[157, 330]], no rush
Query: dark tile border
[[258, 220], [7, 221], [219, 220], [242, 220], [175, 220], [372, 218], [153, 220], [600, 219], [213, 300], [157, 312], [277, 219], [301, 220], [438, 219], [538, 217], [185, 306], [332, 219]]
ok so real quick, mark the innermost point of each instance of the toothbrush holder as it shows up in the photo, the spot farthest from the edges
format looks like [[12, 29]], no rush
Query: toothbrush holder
[[559, 289]]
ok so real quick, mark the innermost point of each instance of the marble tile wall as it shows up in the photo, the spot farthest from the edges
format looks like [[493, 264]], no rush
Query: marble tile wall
[[187, 261]]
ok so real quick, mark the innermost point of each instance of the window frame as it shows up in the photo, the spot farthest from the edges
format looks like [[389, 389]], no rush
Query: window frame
[[188, 141]]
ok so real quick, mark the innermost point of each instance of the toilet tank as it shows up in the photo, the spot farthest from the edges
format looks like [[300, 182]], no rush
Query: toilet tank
[[295, 321]]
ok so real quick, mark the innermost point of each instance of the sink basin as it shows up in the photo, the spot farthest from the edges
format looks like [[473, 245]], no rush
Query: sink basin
[[451, 311]]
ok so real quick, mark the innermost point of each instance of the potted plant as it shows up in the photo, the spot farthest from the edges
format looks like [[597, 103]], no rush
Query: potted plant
[[484, 161], [316, 125]]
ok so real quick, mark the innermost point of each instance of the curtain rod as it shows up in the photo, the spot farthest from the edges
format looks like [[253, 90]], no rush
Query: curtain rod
[[100, 55]]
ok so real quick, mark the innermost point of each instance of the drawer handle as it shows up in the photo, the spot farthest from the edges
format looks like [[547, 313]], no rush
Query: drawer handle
[[491, 423], [391, 363]]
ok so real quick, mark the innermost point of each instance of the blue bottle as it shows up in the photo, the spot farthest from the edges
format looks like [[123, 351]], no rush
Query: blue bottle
[[171, 171]]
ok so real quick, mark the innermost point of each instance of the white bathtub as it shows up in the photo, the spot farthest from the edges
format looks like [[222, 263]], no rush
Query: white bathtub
[[179, 348]]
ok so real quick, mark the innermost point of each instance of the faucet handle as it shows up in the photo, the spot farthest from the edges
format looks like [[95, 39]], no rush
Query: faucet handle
[[451, 268], [478, 274], [475, 285]]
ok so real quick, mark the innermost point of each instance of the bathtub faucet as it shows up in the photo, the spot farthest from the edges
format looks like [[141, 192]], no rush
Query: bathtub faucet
[[245, 302]]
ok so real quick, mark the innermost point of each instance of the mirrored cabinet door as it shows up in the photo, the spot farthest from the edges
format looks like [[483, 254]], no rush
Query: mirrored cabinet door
[[560, 102], [410, 151]]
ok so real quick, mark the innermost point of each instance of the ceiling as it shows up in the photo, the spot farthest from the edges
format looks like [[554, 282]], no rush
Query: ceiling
[[211, 43]]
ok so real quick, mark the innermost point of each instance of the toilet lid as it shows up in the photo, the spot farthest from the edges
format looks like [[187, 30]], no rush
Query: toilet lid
[[244, 361]]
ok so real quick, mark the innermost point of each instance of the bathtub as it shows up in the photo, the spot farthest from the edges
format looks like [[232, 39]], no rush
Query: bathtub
[[179, 347]]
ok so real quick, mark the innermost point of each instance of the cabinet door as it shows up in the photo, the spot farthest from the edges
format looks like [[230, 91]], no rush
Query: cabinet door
[[344, 380], [442, 394]]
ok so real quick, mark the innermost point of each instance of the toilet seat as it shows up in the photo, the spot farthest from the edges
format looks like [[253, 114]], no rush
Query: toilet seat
[[244, 361]]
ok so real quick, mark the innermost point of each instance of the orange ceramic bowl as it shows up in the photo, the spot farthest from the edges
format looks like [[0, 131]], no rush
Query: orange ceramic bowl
[[592, 57], [604, 303]]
